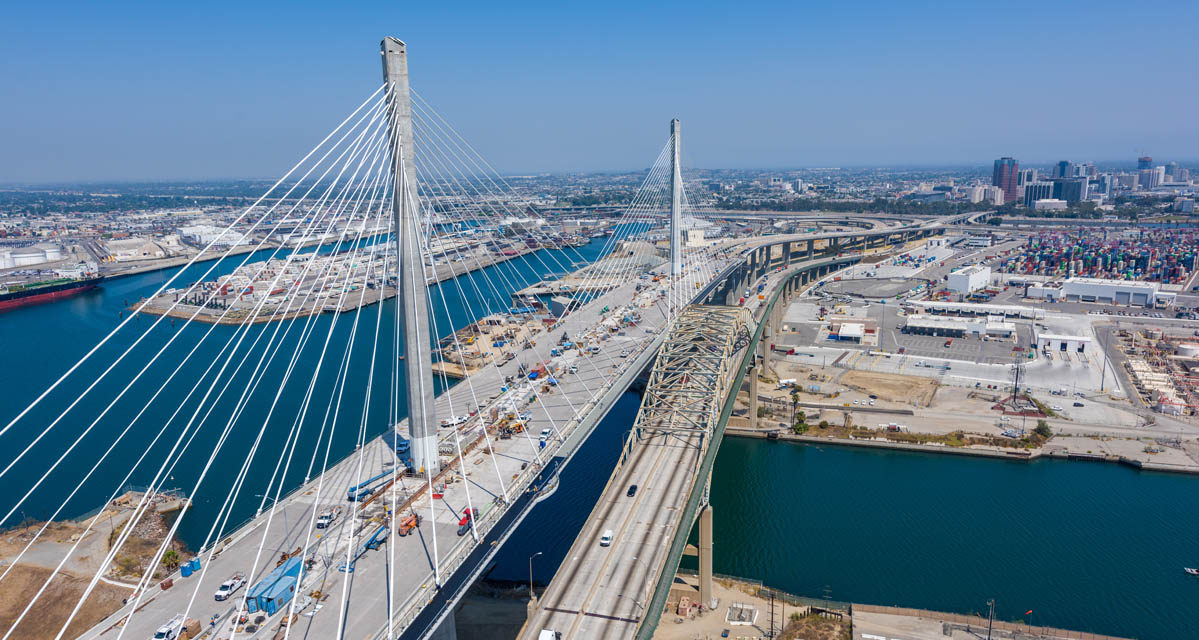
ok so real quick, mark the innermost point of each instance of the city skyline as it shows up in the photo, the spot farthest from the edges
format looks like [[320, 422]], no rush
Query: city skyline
[[788, 86]]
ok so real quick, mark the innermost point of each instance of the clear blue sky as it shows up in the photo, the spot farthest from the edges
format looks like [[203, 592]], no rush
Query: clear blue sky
[[163, 90]]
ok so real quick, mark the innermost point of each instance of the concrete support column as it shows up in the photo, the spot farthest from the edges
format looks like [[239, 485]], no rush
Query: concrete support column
[[787, 254], [752, 374], [767, 336], [811, 248], [446, 630], [705, 555]]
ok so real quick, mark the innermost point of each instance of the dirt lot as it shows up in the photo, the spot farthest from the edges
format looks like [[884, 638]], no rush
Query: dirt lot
[[55, 605], [892, 387], [816, 627]]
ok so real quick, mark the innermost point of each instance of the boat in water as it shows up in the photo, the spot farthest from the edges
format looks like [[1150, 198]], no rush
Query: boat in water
[[1194, 572], [13, 296]]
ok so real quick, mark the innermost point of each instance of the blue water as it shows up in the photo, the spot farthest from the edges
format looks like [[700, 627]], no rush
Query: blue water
[[41, 342], [1087, 546]]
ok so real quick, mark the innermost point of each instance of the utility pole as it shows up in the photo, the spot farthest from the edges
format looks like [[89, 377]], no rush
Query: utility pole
[[676, 198], [411, 295], [990, 617]]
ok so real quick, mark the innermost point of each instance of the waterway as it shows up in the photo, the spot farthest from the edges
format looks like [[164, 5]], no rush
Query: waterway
[[1087, 546]]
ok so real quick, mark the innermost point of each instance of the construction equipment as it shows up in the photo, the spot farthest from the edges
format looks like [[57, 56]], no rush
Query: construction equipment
[[373, 542], [362, 490]]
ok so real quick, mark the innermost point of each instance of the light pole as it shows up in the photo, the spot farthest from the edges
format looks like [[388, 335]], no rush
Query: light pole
[[275, 501], [531, 594]]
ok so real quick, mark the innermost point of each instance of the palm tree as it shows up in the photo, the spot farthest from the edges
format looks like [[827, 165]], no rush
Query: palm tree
[[171, 558]]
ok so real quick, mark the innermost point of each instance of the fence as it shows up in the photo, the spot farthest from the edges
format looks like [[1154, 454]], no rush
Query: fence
[[976, 622]]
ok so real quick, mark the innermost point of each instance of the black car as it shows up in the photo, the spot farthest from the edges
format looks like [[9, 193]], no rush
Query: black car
[[1078, 404], [632, 490]]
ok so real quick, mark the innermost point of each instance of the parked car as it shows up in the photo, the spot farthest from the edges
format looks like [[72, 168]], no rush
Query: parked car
[[1078, 404], [170, 630]]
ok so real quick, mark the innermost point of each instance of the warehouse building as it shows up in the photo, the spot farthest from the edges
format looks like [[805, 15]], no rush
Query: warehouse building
[[969, 279], [1058, 342], [977, 309], [1106, 291], [994, 326]]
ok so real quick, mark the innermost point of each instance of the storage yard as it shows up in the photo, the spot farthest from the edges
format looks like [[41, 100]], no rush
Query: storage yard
[[1167, 256]]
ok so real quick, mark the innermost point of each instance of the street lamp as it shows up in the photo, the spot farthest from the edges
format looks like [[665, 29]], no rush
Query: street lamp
[[275, 502], [531, 594]]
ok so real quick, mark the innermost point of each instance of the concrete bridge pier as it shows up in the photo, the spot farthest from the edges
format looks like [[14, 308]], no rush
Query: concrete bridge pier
[[811, 248], [752, 374], [446, 630], [705, 555]]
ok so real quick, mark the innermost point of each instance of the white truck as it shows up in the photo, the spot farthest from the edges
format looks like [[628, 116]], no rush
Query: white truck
[[235, 582], [170, 630], [326, 518]]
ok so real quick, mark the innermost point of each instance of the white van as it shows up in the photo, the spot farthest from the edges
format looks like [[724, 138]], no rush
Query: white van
[[606, 539]]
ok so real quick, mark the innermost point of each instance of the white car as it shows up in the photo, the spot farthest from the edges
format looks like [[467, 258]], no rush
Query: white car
[[454, 421], [546, 433], [606, 539], [624, 353], [1056, 408], [228, 587]]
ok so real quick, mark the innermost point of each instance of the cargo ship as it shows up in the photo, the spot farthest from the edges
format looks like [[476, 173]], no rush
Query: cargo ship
[[13, 296]]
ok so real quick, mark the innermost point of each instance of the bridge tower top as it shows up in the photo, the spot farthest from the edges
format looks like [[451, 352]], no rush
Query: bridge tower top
[[676, 198], [412, 295]]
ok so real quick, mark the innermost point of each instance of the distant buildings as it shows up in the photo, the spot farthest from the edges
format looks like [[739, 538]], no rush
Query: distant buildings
[[1070, 189], [1037, 191], [1005, 176], [995, 195], [1144, 162], [1049, 204]]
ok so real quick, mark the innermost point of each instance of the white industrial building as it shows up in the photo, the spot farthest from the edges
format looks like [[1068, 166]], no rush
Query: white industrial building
[[1058, 342], [958, 327], [969, 279], [1049, 204], [30, 256], [977, 309], [1105, 291]]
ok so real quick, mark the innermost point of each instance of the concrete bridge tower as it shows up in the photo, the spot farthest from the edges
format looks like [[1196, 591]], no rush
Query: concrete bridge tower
[[411, 296], [676, 199]]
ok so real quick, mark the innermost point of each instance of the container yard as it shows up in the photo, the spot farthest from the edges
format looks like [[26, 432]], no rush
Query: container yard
[[1167, 256]]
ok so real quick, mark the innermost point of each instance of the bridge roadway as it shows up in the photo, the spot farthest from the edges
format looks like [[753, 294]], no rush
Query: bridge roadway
[[602, 591], [413, 582], [518, 460]]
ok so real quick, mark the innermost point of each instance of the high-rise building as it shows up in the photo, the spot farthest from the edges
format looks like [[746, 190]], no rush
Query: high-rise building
[[1005, 177], [995, 195], [1147, 179], [1070, 189], [1063, 169], [1034, 191], [1027, 176], [1144, 162], [1161, 173], [976, 194], [1172, 171]]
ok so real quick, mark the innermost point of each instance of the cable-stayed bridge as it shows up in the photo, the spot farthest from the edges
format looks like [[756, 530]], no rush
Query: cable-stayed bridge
[[268, 413]]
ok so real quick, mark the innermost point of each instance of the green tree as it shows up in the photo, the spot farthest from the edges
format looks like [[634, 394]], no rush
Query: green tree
[[1043, 429], [170, 559]]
